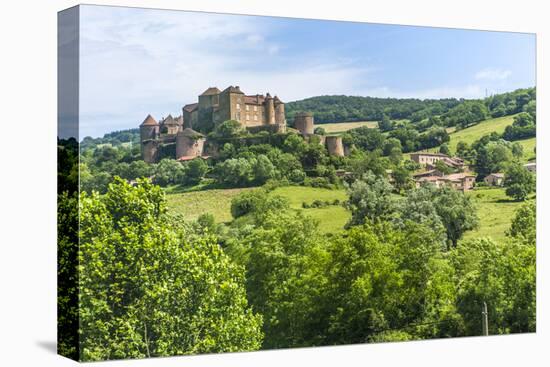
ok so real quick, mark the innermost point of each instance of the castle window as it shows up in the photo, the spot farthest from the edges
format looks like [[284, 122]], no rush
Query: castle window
[[247, 117], [238, 106], [255, 108], [247, 107], [255, 117]]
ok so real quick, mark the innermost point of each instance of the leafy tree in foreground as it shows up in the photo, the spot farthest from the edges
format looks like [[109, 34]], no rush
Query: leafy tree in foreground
[[503, 276], [149, 288], [519, 182]]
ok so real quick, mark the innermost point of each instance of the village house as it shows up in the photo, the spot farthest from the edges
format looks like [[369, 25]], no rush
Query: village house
[[429, 160], [463, 181], [494, 179]]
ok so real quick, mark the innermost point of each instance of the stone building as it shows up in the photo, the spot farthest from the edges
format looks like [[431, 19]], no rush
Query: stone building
[[463, 181], [430, 159], [216, 106], [494, 179]]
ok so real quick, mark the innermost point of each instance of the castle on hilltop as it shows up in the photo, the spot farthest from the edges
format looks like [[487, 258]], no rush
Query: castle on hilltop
[[182, 138], [217, 106]]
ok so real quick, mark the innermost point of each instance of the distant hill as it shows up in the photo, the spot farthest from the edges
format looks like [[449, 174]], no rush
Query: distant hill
[[340, 108], [352, 108]]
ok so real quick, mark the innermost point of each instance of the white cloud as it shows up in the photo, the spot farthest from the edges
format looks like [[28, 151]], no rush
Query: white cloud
[[493, 74]]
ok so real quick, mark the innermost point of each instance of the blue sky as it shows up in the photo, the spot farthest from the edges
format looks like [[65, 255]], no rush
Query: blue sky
[[140, 61]]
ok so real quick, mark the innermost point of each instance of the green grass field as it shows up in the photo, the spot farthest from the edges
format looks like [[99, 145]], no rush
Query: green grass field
[[192, 204], [331, 218], [473, 133], [218, 202], [339, 127], [495, 211]]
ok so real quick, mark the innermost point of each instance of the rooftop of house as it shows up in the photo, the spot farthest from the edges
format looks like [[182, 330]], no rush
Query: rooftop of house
[[429, 154]]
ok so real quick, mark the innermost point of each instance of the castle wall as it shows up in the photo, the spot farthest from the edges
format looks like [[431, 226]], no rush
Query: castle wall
[[187, 146], [150, 151], [335, 145], [253, 115]]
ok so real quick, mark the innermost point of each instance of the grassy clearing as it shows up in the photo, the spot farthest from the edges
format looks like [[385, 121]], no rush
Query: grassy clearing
[[218, 202], [471, 134], [495, 211], [339, 127], [331, 218], [528, 149], [192, 204]]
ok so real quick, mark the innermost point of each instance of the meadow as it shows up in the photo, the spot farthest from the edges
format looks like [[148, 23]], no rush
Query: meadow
[[339, 127], [495, 212], [217, 202], [192, 204], [473, 133]]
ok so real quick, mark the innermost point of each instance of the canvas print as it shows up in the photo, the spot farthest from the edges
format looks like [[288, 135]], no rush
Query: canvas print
[[232, 183]]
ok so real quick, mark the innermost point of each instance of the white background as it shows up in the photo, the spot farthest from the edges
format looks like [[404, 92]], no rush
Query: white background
[[28, 182]]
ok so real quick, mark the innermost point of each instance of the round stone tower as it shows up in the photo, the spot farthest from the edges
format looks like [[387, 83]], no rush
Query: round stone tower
[[269, 110], [150, 151], [279, 111], [335, 145], [149, 129], [189, 143], [303, 122]]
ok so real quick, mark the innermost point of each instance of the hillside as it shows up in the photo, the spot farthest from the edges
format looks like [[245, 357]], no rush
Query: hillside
[[339, 108], [218, 203], [495, 211], [339, 127], [473, 133]]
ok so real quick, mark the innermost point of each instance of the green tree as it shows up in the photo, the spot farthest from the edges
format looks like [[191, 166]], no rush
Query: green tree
[[444, 149], [319, 131], [235, 172], [519, 182], [148, 288], [196, 169], [457, 212], [228, 129], [501, 275], [524, 224], [385, 124], [370, 198]]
